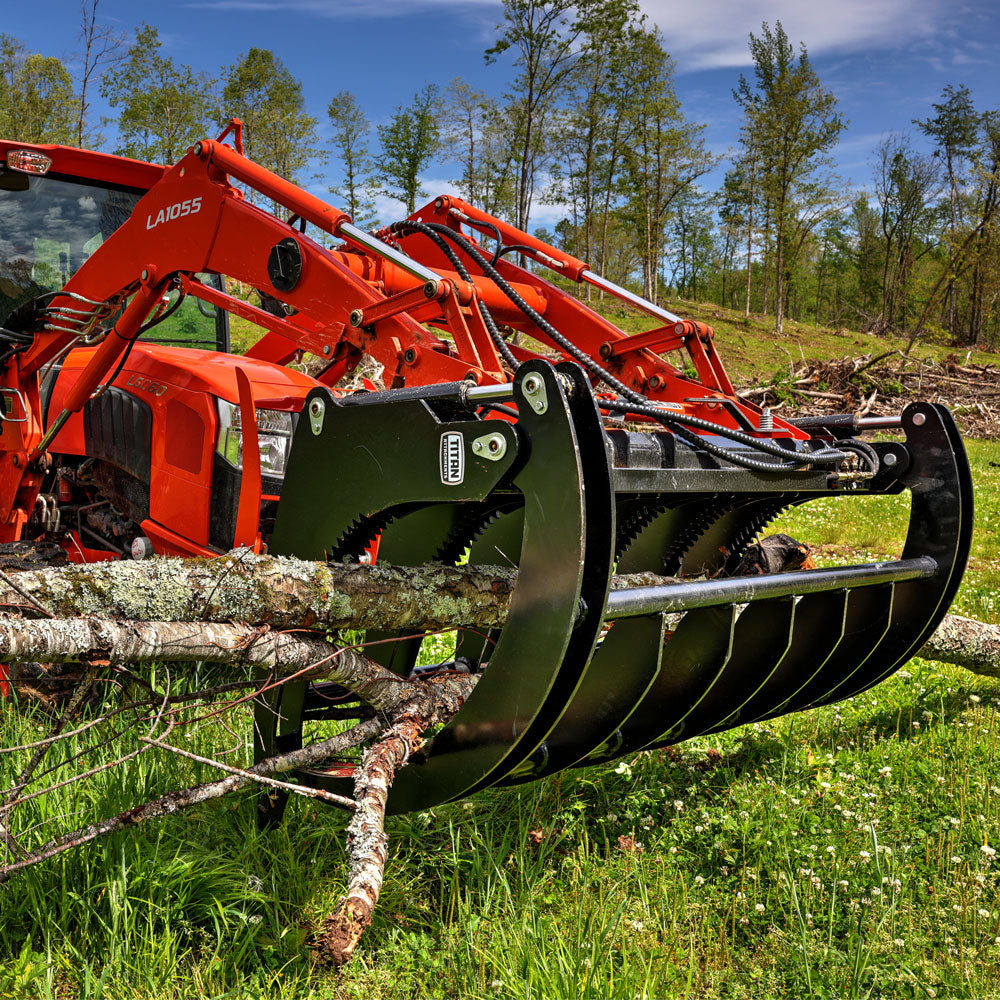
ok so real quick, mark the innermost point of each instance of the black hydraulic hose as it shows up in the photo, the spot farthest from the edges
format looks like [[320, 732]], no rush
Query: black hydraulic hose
[[640, 404], [463, 273]]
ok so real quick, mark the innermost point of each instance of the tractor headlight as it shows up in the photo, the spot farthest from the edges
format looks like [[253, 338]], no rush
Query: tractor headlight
[[274, 437]]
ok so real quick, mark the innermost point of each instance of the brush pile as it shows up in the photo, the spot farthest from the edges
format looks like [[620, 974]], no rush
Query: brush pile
[[882, 384]]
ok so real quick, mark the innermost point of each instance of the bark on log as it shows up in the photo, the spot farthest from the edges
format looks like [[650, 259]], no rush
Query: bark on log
[[279, 591], [283, 592], [966, 643], [58, 639]]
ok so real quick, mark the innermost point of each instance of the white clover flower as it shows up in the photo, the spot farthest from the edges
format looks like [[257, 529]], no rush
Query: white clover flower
[[760, 907], [983, 913], [975, 699], [864, 855], [884, 772], [678, 805], [988, 851], [899, 943], [956, 860], [699, 880]]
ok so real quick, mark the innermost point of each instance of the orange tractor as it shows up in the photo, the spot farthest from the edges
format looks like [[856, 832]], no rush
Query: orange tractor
[[517, 426]]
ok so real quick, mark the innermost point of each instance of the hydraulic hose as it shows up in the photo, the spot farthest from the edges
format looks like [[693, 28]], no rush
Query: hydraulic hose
[[640, 404]]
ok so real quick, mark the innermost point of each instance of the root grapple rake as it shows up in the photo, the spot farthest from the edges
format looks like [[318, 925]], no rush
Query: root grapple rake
[[582, 456], [679, 659]]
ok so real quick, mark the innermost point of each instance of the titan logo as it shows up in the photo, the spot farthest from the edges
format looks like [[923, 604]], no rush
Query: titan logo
[[175, 211], [452, 458]]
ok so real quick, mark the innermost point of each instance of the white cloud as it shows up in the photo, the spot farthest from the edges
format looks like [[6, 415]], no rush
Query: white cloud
[[713, 34]]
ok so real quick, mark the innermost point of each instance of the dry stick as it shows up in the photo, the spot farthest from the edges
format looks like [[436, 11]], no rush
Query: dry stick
[[367, 843], [184, 798], [304, 790]]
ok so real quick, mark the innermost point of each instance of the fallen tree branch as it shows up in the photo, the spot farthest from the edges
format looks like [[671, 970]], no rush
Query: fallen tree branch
[[283, 592], [966, 643], [260, 779]]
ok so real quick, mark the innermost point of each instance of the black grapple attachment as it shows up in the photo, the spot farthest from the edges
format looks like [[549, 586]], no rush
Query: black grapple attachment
[[589, 666]]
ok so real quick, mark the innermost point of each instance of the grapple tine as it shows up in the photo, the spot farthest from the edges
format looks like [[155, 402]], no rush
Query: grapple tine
[[869, 616], [693, 658], [820, 627], [762, 638], [624, 668], [941, 519]]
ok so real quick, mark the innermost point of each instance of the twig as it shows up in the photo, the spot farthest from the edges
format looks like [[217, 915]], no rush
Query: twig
[[305, 790], [184, 798]]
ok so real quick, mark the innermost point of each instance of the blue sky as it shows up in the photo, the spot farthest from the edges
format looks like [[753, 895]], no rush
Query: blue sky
[[886, 60]]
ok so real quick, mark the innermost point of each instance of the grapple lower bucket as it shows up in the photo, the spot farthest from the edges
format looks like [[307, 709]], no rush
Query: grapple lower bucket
[[584, 671]]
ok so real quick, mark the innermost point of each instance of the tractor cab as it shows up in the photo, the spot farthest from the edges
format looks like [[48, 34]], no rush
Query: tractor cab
[[50, 224]]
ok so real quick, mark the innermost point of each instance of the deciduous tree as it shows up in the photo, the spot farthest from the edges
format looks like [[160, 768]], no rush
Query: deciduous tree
[[793, 121], [409, 141], [351, 132], [36, 95], [164, 108], [278, 133]]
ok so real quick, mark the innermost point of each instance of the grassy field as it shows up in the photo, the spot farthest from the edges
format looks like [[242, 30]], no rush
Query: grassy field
[[844, 852]]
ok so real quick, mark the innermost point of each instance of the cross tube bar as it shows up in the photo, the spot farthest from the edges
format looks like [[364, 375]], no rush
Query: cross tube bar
[[743, 589]]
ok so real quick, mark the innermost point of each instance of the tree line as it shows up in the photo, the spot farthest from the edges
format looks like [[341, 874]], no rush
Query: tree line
[[590, 121]]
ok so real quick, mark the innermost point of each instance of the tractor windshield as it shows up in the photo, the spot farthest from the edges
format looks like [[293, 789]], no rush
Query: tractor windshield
[[48, 227], [51, 224]]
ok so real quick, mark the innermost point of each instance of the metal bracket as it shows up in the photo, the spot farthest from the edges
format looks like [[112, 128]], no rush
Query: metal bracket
[[317, 410], [492, 447], [15, 394], [533, 388]]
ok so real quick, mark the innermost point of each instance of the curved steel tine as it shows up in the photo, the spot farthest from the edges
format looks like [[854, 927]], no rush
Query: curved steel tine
[[693, 657], [277, 728], [761, 639], [623, 669], [820, 626], [867, 621], [532, 673], [941, 520]]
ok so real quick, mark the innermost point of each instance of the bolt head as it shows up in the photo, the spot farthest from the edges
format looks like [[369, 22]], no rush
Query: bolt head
[[890, 460], [532, 384], [540, 406], [326, 349], [315, 407], [477, 446], [919, 419], [496, 443], [144, 274]]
